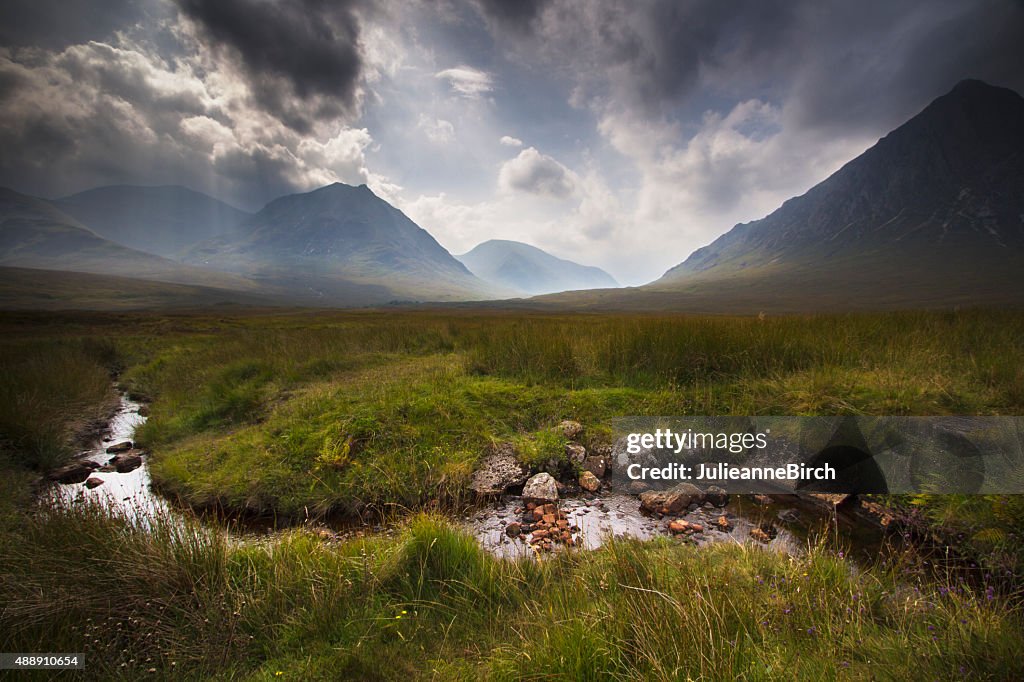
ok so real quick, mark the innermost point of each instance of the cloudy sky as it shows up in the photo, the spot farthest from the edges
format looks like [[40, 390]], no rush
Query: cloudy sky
[[616, 133]]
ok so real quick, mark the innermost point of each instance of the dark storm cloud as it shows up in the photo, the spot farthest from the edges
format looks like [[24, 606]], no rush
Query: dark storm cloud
[[301, 58], [653, 52], [835, 63], [515, 14], [55, 24], [895, 60]]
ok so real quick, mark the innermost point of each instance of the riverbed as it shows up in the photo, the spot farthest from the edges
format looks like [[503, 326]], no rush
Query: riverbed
[[594, 518]]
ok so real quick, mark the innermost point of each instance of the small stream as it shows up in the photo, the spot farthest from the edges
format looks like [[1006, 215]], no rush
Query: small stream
[[594, 518], [130, 491]]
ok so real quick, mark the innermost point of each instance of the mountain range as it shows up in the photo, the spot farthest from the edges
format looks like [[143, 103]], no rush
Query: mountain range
[[529, 270], [165, 221], [36, 234], [932, 215]]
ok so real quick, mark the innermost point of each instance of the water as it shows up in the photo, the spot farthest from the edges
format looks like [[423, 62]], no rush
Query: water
[[617, 515], [130, 492]]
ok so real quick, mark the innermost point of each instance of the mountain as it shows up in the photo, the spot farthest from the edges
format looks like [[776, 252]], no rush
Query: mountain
[[526, 268], [36, 234], [162, 220], [931, 216], [341, 234]]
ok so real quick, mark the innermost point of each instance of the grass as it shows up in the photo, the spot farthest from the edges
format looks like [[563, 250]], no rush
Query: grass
[[180, 598], [307, 413], [362, 411]]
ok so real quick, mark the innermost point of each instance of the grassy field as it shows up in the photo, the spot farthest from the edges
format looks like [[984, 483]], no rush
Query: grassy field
[[296, 413]]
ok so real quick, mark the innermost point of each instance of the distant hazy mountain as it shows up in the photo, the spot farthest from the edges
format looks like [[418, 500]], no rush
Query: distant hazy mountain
[[526, 268], [36, 234], [162, 220], [338, 234], [931, 215]]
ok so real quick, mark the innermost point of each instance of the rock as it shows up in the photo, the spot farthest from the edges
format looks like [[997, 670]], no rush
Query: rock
[[126, 461], [671, 501], [74, 472], [570, 429], [637, 487], [596, 464], [123, 446], [576, 453], [722, 523], [143, 410], [514, 530], [106, 469], [589, 482], [93, 482], [678, 526], [541, 488], [830, 500], [764, 533], [498, 471], [716, 496]]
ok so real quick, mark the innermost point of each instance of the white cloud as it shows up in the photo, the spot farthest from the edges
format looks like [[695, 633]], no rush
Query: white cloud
[[510, 141], [536, 173], [467, 82], [437, 130], [99, 113]]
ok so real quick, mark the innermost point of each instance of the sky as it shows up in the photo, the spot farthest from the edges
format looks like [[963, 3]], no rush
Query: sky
[[622, 134]]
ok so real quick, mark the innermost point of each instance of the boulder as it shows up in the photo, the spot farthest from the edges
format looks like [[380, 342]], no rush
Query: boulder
[[576, 453], [93, 482], [541, 488], [498, 471], [514, 530], [723, 524], [74, 472], [589, 482], [123, 446], [570, 429], [596, 464], [126, 461], [671, 501]]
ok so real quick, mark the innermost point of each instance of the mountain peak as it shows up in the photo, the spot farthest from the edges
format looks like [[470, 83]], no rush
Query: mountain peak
[[531, 270], [943, 187]]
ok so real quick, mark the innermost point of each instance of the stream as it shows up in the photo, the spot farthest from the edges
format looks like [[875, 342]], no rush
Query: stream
[[593, 518]]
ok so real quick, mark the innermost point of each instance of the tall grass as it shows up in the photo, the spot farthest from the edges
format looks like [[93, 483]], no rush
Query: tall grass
[[51, 392], [182, 600]]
